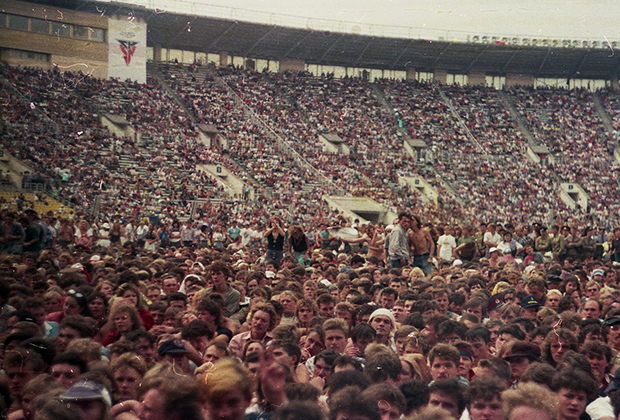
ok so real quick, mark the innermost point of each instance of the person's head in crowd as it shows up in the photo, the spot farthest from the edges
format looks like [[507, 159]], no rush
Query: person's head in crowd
[[507, 333], [285, 352], [326, 304], [289, 302], [530, 306], [177, 300], [106, 287], [124, 318], [483, 399], [416, 395], [335, 333], [90, 397], [74, 327], [130, 294], [20, 366], [262, 320], [144, 343], [401, 335], [447, 394], [158, 311], [592, 289], [305, 310], [389, 400], [324, 364], [119, 348], [444, 361], [347, 404], [346, 312], [493, 367], [591, 309], [67, 367], [520, 355], [296, 409], [76, 303], [383, 367], [384, 324], [252, 346], [198, 333], [364, 311], [538, 373], [174, 352], [98, 304], [173, 318], [42, 384], [344, 363], [314, 341], [170, 396], [128, 369], [556, 345], [591, 331], [466, 362], [574, 387], [170, 284], [388, 297], [476, 306], [215, 351], [153, 293], [88, 349], [599, 356], [450, 331], [480, 340], [529, 401]]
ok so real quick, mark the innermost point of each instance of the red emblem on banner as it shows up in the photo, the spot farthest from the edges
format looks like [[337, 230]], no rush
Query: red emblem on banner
[[128, 48]]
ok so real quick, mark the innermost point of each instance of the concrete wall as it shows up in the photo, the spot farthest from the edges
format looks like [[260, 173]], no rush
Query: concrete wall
[[441, 76], [476, 79], [68, 54], [532, 156], [120, 131], [226, 179], [513, 79], [292, 65], [329, 146], [581, 200], [426, 190], [411, 74]]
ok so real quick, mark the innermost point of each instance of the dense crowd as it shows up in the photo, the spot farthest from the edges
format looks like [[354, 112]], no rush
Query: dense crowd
[[222, 319], [178, 301]]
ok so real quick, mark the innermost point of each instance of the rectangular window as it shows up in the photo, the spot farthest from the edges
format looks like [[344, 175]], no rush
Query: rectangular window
[[80, 32], [61, 29], [18, 22], [97, 35], [2, 20], [40, 26]]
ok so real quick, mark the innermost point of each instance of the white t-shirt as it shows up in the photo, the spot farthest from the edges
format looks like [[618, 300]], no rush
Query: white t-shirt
[[445, 245]]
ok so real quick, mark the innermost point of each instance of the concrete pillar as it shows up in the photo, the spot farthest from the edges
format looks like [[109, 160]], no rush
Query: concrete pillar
[[441, 76], [476, 79], [615, 86], [515, 79], [292, 64], [157, 53], [223, 59], [411, 74]]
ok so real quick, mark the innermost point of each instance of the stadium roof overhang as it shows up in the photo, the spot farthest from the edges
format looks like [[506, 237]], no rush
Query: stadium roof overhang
[[251, 40]]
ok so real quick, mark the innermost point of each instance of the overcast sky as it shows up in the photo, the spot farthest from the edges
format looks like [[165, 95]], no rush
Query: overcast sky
[[431, 19]]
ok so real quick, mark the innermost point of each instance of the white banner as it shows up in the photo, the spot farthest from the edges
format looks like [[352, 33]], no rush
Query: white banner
[[127, 48]]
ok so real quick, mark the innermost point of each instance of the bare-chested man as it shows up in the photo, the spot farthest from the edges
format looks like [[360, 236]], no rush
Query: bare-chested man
[[422, 244]]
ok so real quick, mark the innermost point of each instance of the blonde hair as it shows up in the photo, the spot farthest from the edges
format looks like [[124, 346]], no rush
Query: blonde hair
[[529, 395], [227, 375]]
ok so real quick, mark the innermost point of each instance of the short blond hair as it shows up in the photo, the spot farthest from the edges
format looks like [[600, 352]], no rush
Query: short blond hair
[[227, 375], [529, 395]]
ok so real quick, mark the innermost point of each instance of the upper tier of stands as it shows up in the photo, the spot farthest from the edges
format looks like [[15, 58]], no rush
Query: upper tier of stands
[[475, 157]]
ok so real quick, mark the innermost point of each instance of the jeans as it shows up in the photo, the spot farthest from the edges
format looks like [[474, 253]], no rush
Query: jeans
[[421, 261]]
